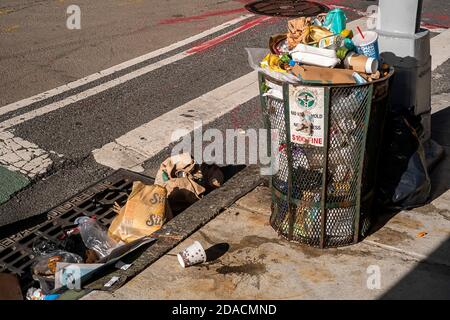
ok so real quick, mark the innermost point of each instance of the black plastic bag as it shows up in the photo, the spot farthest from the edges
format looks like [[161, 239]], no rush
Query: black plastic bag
[[403, 179]]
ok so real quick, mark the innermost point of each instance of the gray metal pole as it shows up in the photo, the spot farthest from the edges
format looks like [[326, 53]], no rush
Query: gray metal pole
[[404, 45]]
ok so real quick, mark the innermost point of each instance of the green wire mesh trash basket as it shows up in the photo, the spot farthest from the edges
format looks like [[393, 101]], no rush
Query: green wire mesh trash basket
[[326, 165]]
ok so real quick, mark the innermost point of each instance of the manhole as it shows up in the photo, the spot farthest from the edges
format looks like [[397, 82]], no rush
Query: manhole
[[287, 8], [16, 251]]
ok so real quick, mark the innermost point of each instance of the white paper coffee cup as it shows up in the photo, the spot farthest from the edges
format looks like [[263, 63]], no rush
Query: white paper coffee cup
[[192, 255], [361, 63]]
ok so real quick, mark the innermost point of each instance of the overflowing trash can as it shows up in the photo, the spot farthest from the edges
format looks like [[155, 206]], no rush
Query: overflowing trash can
[[326, 165]]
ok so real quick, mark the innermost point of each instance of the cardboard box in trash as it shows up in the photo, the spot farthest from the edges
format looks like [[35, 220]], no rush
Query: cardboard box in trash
[[312, 74]]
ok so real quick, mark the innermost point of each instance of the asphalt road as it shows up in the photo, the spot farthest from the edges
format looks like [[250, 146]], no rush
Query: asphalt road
[[41, 53]]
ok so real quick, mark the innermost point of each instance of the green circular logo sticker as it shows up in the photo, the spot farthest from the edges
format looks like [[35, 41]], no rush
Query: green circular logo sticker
[[306, 99]]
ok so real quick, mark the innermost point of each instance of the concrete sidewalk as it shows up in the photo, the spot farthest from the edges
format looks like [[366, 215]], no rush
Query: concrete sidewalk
[[260, 265]]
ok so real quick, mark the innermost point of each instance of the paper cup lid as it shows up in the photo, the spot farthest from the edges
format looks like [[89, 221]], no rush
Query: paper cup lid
[[369, 37]]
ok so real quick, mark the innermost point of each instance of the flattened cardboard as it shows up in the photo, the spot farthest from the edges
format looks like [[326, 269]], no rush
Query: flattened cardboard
[[10, 287], [312, 74]]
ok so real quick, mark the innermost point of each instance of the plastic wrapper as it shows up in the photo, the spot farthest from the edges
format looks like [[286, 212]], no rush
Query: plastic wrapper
[[44, 269], [35, 294], [335, 21], [43, 247], [256, 55], [414, 186], [96, 237], [46, 265]]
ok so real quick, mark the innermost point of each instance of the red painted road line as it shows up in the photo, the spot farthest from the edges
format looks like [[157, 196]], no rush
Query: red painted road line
[[203, 16], [433, 26], [222, 38], [244, 1]]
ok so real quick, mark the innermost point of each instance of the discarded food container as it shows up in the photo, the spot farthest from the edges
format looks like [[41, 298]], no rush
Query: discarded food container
[[192, 255], [335, 21], [361, 63], [328, 134], [367, 44]]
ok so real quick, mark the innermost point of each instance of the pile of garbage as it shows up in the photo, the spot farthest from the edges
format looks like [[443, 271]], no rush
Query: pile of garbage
[[321, 50], [87, 246]]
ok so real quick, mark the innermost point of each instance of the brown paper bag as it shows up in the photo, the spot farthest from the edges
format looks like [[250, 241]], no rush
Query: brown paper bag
[[144, 213], [179, 175]]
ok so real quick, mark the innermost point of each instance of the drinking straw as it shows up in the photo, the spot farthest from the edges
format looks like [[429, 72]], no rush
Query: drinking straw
[[360, 32]]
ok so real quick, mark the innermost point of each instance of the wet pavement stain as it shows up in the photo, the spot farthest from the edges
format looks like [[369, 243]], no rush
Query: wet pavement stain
[[431, 208], [253, 242], [317, 275], [407, 222], [207, 238], [250, 268], [392, 237]]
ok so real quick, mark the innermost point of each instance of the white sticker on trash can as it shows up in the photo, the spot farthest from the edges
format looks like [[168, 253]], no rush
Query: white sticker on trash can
[[306, 110]]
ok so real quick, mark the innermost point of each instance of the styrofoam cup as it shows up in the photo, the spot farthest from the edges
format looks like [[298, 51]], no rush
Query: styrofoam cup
[[367, 46], [192, 255]]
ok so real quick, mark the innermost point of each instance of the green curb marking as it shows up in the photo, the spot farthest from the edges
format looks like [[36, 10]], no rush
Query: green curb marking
[[10, 183]]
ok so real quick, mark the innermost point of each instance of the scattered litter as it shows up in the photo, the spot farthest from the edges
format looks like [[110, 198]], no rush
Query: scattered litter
[[192, 255], [44, 270], [322, 42], [76, 250], [46, 265], [35, 294], [111, 282], [123, 266], [96, 237], [335, 21], [187, 181], [367, 44], [421, 234], [70, 274], [145, 212], [44, 246]]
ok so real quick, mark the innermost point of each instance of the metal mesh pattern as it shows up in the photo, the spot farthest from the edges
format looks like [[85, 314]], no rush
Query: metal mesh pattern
[[274, 112], [325, 205]]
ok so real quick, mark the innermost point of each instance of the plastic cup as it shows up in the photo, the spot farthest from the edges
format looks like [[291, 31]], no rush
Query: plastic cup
[[192, 255], [367, 46]]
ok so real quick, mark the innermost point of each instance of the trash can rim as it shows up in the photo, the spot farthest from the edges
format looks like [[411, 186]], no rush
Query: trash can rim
[[279, 82]]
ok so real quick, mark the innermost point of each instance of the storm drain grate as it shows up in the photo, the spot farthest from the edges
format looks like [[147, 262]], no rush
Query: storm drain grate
[[16, 251], [287, 8]]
